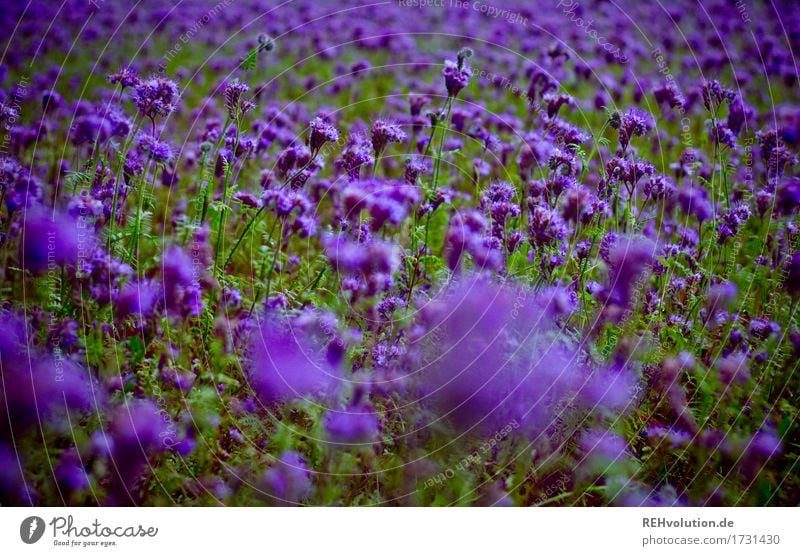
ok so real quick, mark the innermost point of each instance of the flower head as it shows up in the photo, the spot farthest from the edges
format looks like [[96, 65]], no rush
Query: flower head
[[287, 364], [288, 480], [319, 133], [156, 97], [235, 102], [456, 77], [384, 133]]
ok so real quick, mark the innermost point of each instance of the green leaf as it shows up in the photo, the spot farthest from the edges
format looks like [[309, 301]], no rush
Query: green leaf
[[250, 61]]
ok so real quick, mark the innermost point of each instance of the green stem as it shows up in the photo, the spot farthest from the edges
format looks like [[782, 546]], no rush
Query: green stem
[[255, 216], [224, 201], [117, 177], [137, 222], [243, 235], [275, 254], [565, 495]]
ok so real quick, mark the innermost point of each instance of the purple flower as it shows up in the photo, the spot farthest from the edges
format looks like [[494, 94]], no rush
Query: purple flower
[[714, 95], [180, 274], [417, 102], [579, 205], [659, 187], [792, 280], [467, 233], [355, 156], [555, 101], [603, 448], [498, 203], [288, 480], [694, 200], [634, 123], [70, 473], [49, 240], [719, 298], [668, 94], [354, 425], [156, 97], [125, 77], [758, 450], [287, 365], [730, 221], [138, 431], [456, 77], [37, 388], [235, 103], [135, 298], [319, 133], [545, 227], [90, 128], [384, 133], [629, 260], [371, 261], [787, 200], [739, 114], [733, 368], [159, 151], [609, 389], [722, 136], [487, 357]]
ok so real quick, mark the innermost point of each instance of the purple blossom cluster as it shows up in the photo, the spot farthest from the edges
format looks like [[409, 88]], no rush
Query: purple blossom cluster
[[327, 267]]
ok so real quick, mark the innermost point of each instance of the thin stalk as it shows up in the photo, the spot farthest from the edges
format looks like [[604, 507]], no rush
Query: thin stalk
[[138, 221], [117, 177], [224, 205], [257, 214]]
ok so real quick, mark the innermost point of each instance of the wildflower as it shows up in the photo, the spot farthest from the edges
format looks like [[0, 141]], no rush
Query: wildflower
[[354, 425], [288, 480], [159, 151], [287, 365], [579, 205], [457, 74], [355, 156], [467, 233], [545, 227], [659, 187], [634, 123], [758, 450], [321, 132], [739, 114], [53, 239], [556, 101], [135, 298], [787, 199], [235, 103], [384, 133], [137, 432], [792, 280], [730, 221], [733, 368], [720, 297], [694, 200], [125, 77], [156, 97], [498, 203], [714, 95], [722, 136], [486, 359], [417, 102], [668, 94]]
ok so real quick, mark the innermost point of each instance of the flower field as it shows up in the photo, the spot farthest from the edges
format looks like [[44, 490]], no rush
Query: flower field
[[403, 253]]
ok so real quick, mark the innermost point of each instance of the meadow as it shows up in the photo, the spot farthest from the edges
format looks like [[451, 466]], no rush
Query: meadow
[[434, 253]]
